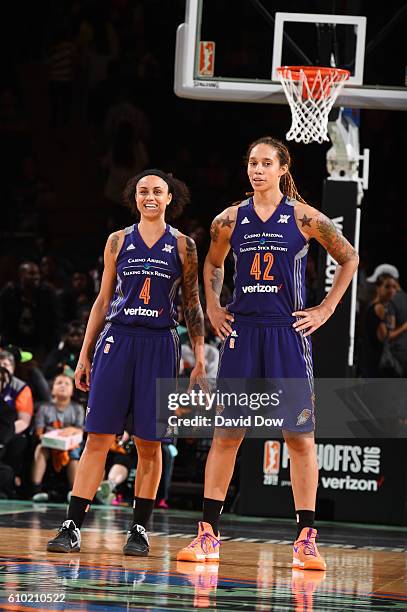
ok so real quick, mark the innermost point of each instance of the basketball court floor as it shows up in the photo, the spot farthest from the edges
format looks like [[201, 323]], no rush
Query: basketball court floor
[[366, 565]]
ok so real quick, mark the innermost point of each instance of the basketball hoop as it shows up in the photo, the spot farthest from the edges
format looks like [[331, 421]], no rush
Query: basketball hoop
[[311, 92]]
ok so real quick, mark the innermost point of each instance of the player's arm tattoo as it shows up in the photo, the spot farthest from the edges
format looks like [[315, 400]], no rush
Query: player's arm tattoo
[[217, 280], [219, 223], [334, 242], [193, 312], [215, 227], [114, 243], [226, 222], [306, 221]]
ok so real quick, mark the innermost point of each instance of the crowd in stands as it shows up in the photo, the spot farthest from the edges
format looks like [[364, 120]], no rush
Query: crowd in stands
[[42, 329], [39, 348], [103, 75], [383, 318]]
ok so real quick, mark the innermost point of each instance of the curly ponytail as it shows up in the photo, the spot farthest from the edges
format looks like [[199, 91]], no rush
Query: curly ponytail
[[181, 197], [287, 184]]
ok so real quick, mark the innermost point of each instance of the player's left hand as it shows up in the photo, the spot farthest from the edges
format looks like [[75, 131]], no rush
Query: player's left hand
[[311, 318], [198, 377]]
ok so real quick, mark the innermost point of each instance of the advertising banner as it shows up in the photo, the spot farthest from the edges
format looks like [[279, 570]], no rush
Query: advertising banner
[[357, 480]]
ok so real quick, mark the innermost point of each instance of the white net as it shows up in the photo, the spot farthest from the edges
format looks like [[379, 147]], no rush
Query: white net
[[311, 93]]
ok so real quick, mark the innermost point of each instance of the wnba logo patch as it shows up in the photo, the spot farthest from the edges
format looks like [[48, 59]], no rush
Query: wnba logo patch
[[303, 416], [107, 348], [271, 458], [233, 335]]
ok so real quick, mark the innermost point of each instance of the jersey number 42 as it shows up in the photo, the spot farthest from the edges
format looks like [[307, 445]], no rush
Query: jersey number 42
[[256, 270]]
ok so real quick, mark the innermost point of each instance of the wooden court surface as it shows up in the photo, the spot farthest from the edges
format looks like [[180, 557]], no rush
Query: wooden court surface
[[252, 575]]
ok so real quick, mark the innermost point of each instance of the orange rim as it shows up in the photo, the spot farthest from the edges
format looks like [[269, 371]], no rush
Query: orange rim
[[311, 72]]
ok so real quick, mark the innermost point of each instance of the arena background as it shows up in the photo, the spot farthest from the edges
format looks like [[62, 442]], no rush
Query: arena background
[[201, 142]]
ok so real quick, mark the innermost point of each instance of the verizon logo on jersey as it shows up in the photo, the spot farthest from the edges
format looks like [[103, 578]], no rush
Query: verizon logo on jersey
[[142, 312], [261, 288]]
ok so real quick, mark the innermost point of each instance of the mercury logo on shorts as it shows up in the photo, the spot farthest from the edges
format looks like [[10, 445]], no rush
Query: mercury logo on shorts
[[303, 416], [143, 312]]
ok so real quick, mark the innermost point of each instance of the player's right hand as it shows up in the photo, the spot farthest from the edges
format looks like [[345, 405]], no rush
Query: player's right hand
[[219, 318], [82, 374]]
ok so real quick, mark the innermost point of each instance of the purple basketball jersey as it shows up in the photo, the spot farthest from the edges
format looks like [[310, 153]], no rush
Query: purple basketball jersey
[[270, 260], [147, 281]]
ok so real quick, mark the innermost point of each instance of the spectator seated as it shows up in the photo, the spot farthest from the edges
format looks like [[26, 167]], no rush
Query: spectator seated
[[61, 412]]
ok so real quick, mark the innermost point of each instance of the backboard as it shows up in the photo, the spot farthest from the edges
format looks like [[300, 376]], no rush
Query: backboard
[[229, 51]]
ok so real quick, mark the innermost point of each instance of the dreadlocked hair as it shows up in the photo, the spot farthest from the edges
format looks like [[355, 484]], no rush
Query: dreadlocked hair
[[178, 189], [287, 184]]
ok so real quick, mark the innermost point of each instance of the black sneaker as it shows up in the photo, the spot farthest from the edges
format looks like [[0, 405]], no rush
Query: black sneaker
[[68, 539], [137, 542]]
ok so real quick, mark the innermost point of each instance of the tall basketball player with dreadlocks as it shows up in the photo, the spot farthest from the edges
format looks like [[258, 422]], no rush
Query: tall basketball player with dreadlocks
[[266, 332]]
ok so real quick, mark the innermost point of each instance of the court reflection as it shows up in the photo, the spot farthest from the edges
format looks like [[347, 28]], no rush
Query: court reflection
[[303, 586], [249, 577], [203, 578]]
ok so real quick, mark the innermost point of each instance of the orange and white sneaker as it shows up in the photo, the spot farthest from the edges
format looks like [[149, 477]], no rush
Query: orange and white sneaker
[[305, 551], [205, 547]]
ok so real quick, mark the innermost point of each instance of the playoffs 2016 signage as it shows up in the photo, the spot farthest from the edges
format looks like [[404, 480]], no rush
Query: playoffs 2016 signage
[[342, 467], [357, 480]]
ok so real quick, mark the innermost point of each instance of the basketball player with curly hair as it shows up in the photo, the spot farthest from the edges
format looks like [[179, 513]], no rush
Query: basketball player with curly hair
[[130, 342]]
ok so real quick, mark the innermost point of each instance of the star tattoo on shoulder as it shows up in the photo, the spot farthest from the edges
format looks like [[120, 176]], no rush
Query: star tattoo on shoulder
[[226, 221], [306, 221]]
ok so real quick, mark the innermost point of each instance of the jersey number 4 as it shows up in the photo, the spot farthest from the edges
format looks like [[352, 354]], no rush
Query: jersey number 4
[[255, 270], [145, 291]]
